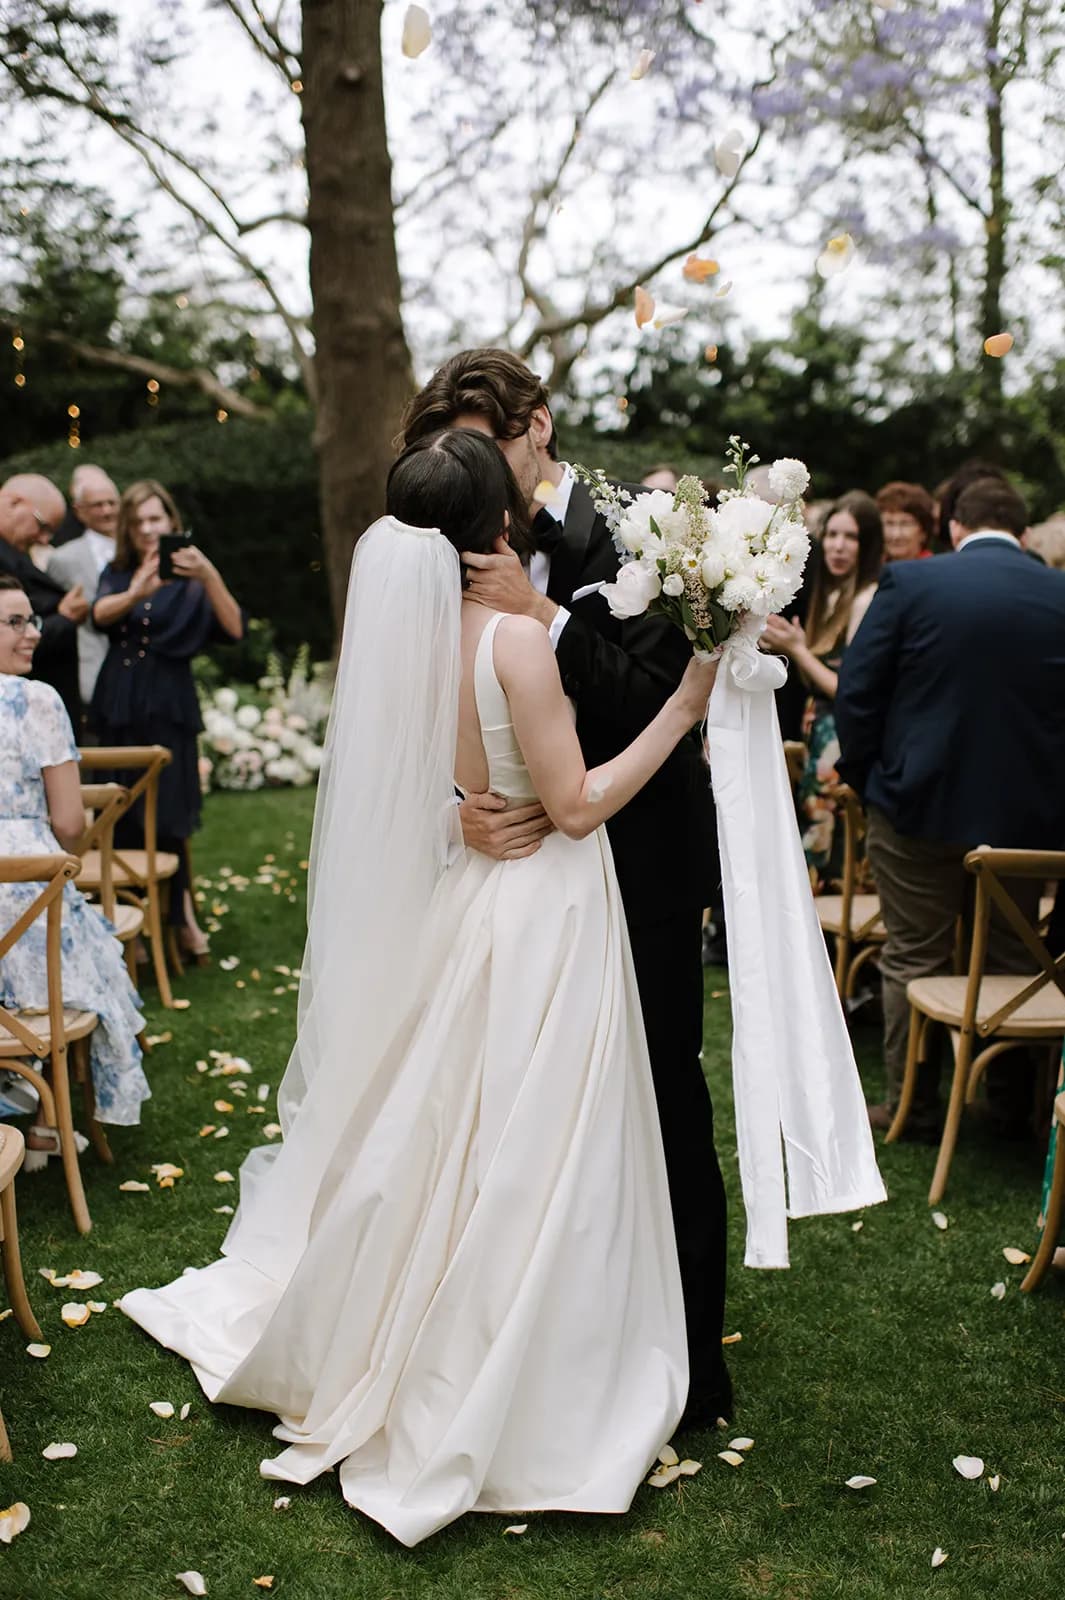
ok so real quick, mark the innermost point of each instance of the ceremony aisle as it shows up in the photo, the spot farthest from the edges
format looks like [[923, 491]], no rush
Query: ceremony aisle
[[882, 1354]]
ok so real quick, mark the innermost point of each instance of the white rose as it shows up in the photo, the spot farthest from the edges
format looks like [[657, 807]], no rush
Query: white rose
[[632, 593], [673, 585], [788, 479], [226, 700], [712, 570], [248, 717], [746, 518]]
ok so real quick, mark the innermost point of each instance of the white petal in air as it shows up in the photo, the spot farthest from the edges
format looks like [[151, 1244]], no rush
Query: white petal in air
[[642, 65], [728, 153], [837, 256], [417, 32], [664, 315]]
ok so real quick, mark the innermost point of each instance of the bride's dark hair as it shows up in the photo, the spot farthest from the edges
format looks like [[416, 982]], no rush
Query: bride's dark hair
[[458, 480]]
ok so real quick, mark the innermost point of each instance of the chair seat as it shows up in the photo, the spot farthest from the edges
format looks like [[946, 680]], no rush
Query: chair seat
[[76, 1024], [127, 921], [943, 999], [864, 908], [13, 1148], [166, 864]]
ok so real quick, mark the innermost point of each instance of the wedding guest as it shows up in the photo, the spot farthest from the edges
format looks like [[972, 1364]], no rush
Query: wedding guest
[[80, 562], [29, 506], [145, 692], [1047, 540], [951, 720], [41, 814], [661, 477], [844, 568], [908, 515], [946, 495]]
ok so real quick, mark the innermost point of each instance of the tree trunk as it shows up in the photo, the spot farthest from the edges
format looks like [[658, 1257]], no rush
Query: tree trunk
[[995, 228], [362, 364]]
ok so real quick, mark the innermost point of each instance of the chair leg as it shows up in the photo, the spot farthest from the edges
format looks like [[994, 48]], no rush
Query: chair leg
[[5, 1442], [909, 1078], [65, 1125], [173, 951], [129, 951], [96, 1132], [843, 957], [155, 934], [1052, 1224], [963, 1047], [16, 1286]]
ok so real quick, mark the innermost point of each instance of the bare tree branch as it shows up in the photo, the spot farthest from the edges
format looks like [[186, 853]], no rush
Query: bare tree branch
[[929, 156], [269, 42], [292, 218]]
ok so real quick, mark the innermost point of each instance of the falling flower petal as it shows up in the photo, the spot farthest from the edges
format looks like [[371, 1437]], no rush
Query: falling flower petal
[[728, 153], [546, 494], [131, 1186], [689, 1468], [968, 1466], [417, 32], [939, 1221], [698, 268], [516, 1527], [39, 1350], [998, 1291], [993, 1483], [642, 65], [59, 1452], [644, 306], [664, 1476], [731, 1338], [999, 344], [75, 1314], [183, 1413], [668, 1456], [282, 1502], [13, 1521], [938, 1556], [665, 315], [193, 1581], [733, 1457], [859, 1481], [741, 1444], [711, 355], [162, 1408], [837, 256], [1015, 1257]]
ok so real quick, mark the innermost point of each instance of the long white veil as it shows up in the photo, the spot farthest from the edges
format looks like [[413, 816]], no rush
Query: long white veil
[[384, 824]]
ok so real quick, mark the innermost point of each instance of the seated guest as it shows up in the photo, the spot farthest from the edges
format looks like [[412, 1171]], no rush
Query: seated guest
[[843, 572], [951, 720], [41, 814], [145, 692], [30, 505], [79, 563], [908, 515], [661, 477], [1047, 540]]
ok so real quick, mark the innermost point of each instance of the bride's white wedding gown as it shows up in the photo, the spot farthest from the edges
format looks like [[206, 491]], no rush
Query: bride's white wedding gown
[[485, 1311]]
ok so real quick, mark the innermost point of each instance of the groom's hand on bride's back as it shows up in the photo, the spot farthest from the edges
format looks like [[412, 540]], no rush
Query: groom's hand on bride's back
[[487, 826]]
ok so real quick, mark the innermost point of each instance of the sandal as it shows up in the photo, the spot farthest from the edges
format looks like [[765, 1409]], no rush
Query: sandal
[[36, 1157]]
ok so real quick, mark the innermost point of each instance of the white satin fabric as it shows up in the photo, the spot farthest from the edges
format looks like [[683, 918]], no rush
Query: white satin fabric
[[801, 1125], [475, 1302]]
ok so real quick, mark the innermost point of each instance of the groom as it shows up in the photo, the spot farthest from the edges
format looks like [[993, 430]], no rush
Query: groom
[[619, 674]]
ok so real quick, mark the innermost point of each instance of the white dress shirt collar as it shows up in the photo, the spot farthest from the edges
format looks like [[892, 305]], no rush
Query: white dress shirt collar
[[101, 548], [560, 499], [989, 533]]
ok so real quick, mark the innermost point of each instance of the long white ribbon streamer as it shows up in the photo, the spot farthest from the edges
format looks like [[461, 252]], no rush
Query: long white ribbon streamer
[[799, 1102]]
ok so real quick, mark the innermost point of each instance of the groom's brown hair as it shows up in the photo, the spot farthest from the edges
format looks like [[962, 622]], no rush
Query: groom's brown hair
[[487, 383]]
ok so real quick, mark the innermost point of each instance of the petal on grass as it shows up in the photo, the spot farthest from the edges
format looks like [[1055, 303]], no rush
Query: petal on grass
[[75, 1314], [265, 1582], [689, 1468], [194, 1581], [183, 1413], [417, 32], [39, 1350], [272, 1129], [939, 1221], [664, 1476], [14, 1521], [998, 1291], [282, 1502], [731, 1338], [994, 1482], [1015, 1257], [59, 1452], [83, 1280], [733, 1457], [223, 1105], [859, 1481], [162, 1408], [741, 1444], [668, 1456], [223, 1177], [98, 1306], [856, 1227], [938, 1556], [132, 1186], [516, 1528], [968, 1466]]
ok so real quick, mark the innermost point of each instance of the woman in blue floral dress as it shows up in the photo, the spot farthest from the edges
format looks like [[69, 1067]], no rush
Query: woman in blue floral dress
[[40, 814]]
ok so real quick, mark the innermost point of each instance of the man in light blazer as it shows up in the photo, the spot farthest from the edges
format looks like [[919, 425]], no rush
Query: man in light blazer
[[81, 561], [951, 720]]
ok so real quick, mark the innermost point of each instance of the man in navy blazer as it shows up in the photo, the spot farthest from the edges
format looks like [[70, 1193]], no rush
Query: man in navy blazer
[[951, 720]]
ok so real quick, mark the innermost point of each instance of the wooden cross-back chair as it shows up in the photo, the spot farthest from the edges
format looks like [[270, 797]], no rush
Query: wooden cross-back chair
[[1055, 1206], [12, 1150], [58, 1036], [138, 875], [105, 803], [853, 916], [986, 1013]]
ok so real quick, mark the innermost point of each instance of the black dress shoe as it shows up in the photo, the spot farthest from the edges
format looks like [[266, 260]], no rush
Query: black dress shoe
[[706, 1405]]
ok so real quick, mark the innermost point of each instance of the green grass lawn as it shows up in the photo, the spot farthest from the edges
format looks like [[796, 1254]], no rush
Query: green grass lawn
[[881, 1352]]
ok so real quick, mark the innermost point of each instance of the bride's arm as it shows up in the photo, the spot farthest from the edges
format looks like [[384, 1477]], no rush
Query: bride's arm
[[577, 800]]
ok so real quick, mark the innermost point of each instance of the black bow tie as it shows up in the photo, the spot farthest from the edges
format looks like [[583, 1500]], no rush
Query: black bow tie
[[546, 532]]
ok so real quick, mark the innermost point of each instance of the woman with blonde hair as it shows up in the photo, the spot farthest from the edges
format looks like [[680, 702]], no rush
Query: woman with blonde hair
[[846, 567], [145, 693]]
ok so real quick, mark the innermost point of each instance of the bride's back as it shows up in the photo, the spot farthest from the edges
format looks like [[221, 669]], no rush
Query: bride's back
[[488, 755]]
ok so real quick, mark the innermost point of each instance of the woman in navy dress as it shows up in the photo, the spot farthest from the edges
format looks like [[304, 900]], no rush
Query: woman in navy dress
[[145, 693]]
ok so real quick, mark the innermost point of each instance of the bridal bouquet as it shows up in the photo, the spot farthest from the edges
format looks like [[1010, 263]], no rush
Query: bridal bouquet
[[706, 566]]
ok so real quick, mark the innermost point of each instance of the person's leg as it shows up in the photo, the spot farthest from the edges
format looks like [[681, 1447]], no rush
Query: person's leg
[[670, 978], [921, 885]]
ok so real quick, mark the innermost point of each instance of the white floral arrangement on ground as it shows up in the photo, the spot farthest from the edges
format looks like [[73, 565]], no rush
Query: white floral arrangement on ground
[[247, 744], [707, 566]]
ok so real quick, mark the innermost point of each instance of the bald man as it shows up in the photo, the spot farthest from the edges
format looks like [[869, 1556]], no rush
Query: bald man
[[79, 563], [30, 505]]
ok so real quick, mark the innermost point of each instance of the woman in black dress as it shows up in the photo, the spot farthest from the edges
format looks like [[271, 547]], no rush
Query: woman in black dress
[[145, 693]]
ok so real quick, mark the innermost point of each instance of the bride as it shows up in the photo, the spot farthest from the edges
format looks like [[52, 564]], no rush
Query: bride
[[457, 1277]]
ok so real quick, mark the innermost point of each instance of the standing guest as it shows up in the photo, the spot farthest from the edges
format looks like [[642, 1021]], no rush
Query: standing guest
[[661, 477], [80, 562], [908, 515], [619, 675], [946, 495], [145, 692], [29, 506], [40, 814], [951, 718], [845, 566]]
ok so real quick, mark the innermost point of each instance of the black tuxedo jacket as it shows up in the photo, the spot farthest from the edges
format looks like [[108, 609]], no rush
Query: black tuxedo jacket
[[55, 660], [951, 702], [619, 675]]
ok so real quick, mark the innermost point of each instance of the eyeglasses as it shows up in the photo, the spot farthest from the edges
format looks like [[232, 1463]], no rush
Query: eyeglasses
[[20, 624]]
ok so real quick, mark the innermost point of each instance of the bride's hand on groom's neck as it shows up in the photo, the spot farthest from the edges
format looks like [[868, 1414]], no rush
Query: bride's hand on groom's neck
[[500, 582]]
